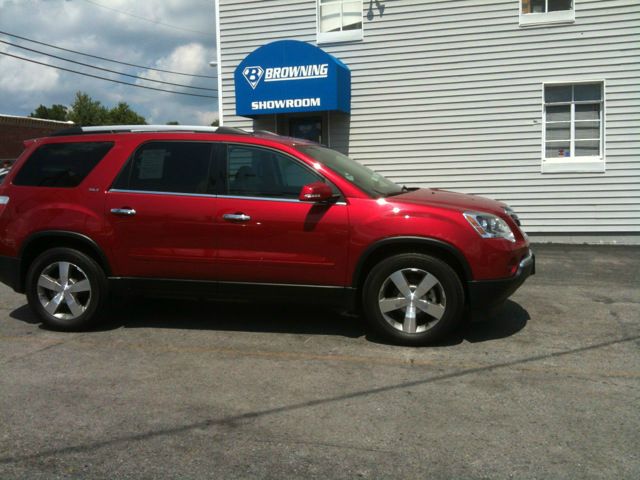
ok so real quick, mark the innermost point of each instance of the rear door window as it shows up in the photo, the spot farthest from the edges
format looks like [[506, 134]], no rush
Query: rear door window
[[170, 167], [63, 165]]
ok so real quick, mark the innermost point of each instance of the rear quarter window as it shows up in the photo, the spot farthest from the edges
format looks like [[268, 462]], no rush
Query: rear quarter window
[[61, 164]]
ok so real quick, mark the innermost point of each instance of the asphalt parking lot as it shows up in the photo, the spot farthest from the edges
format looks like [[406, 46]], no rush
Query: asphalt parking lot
[[549, 387]]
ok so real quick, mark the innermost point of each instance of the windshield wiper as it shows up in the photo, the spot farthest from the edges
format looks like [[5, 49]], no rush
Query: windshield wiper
[[404, 189]]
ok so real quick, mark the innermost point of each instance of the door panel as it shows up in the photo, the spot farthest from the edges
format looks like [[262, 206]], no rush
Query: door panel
[[265, 234], [170, 236], [162, 210], [282, 242]]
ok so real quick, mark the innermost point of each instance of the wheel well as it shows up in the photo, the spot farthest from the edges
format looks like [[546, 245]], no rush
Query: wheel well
[[44, 242], [434, 250]]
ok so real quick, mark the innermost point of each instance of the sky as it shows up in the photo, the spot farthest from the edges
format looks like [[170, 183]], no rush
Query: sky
[[175, 35]]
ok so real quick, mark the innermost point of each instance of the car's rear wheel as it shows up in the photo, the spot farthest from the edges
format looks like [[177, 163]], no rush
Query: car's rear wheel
[[66, 289], [413, 299]]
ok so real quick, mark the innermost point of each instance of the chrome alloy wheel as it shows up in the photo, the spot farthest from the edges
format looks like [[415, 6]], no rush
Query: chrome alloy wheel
[[412, 300], [64, 290]]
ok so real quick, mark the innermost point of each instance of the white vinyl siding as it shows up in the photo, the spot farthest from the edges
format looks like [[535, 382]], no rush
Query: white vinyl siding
[[449, 94]]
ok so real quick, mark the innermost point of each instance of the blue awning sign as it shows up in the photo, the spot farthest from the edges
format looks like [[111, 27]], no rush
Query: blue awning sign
[[291, 76]]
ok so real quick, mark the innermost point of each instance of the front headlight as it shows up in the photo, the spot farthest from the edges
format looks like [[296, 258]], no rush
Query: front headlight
[[489, 226]]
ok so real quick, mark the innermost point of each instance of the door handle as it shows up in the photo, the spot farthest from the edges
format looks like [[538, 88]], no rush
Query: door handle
[[236, 217], [127, 212]]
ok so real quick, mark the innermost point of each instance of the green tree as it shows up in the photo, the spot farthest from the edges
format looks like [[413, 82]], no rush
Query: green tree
[[123, 115], [88, 112], [54, 112], [85, 111], [215, 123]]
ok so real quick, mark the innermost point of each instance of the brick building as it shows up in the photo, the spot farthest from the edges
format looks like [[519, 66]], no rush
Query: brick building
[[15, 130]]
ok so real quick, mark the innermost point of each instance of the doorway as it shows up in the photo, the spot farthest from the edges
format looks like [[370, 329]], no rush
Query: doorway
[[309, 128]]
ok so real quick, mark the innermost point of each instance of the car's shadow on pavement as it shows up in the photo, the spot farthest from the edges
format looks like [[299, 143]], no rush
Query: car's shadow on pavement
[[272, 318]]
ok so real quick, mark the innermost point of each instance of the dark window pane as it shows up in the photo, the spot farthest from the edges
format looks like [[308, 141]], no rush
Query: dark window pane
[[558, 149], [587, 130], [176, 167], [61, 164], [588, 112], [257, 172], [557, 5], [353, 26], [560, 113], [294, 175], [588, 148], [560, 93], [559, 131], [588, 91], [537, 6]]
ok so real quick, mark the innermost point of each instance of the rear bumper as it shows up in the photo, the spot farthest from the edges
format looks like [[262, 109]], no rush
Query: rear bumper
[[486, 294], [10, 272]]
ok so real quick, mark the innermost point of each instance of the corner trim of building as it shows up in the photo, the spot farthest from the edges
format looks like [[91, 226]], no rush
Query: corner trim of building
[[219, 60]]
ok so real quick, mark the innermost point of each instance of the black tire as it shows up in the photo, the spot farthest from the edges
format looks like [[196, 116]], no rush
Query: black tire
[[73, 310], [444, 300]]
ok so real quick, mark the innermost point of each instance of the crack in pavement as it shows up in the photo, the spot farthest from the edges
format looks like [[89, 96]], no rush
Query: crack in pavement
[[234, 420]]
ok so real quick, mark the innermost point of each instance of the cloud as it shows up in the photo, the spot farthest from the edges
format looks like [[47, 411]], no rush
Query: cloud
[[191, 58], [17, 76], [139, 36]]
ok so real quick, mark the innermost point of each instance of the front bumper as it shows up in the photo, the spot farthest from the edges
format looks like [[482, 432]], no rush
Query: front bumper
[[486, 294], [10, 271]]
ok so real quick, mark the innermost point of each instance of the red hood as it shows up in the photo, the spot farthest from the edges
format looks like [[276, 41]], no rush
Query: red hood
[[456, 201]]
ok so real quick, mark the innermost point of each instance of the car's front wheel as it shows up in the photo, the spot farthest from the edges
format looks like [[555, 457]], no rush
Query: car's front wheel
[[413, 299], [66, 289]]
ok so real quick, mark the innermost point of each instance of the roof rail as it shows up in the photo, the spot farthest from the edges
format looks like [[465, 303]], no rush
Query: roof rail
[[265, 132], [67, 131], [232, 131], [147, 128]]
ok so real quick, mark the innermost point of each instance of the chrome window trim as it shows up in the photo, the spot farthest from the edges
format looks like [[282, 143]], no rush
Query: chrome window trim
[[272, 199], [153, 192], [236, 197]]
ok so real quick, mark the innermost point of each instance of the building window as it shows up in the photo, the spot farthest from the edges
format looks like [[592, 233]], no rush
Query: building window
[[339, 20], [573, 127], [536, 12]]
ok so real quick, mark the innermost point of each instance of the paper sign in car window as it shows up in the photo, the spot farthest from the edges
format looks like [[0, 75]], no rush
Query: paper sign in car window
[[152, 164]]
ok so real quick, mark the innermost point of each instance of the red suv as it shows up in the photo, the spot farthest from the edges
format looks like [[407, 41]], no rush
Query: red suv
[[197, 212]]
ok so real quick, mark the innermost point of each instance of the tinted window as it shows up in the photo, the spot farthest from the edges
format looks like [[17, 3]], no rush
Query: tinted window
[[258, 172], [61, 164], [177, 167]]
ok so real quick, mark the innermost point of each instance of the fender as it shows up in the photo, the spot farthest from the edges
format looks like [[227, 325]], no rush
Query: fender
[[66, 235], [399, 241]]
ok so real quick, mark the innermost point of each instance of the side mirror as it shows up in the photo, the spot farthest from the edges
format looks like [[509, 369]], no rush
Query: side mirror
[[315, 192]]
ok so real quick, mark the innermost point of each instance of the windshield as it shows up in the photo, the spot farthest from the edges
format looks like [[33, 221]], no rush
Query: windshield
[[364, 178]]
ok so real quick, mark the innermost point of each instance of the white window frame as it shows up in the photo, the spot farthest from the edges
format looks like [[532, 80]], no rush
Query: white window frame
[[341, 36], [584, 164], [547, 18]]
